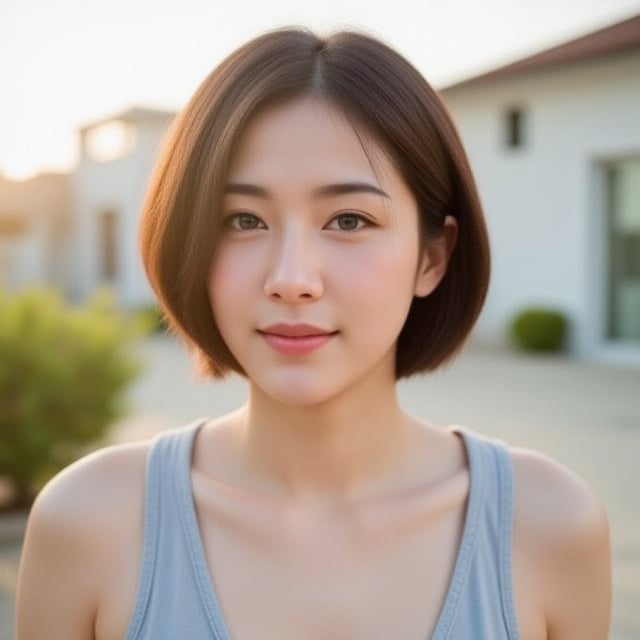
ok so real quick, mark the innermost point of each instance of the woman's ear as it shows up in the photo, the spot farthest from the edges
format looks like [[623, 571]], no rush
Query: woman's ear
[[435, 259]]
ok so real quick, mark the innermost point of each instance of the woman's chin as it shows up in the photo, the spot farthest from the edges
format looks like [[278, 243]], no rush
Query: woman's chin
[[294, 390]]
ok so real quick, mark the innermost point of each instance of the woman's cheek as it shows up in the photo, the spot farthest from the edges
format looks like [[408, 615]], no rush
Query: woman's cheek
[[372, 275], [227, 275]]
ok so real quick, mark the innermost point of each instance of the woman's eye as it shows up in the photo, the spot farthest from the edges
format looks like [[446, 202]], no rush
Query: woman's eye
[[352, 221], [243, 218]]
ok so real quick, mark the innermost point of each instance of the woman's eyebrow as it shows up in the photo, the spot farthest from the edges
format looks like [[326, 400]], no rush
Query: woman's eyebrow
[[324, 191]]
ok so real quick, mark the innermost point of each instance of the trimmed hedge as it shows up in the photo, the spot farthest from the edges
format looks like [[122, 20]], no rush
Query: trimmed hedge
[[539, 329]]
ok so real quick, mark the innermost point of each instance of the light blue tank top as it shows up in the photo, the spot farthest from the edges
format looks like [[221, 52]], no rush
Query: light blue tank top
[[175, 594]]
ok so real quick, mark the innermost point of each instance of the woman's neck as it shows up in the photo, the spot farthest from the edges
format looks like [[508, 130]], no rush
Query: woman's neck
[[328, 454]]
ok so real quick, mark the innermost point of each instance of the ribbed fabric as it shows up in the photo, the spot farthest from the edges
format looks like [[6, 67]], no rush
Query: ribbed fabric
[[175, 596]]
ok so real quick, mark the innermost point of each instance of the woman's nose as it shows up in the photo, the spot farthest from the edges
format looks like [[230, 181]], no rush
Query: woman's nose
[[294, 271]]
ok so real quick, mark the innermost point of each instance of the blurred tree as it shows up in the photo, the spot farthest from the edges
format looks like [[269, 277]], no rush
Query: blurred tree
[[63, 371]]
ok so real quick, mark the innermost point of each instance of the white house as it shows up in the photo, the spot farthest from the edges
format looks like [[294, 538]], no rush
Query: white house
[[108, 186], [554, 142]]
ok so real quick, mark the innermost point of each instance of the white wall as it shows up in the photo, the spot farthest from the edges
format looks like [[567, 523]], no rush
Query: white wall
[[150, 134], [544, 201]]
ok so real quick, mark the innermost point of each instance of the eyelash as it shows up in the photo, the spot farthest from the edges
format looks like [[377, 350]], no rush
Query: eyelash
[[227, 220]]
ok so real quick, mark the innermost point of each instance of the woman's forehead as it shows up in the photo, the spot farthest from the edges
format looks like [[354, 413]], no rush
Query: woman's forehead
[[306, 135]]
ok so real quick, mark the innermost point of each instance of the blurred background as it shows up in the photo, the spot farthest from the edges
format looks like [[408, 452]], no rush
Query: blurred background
[[546, 97]]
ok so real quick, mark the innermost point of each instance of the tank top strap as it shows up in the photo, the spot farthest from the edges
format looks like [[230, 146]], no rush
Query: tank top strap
[[162, 529], [185, 504], [493, 560]]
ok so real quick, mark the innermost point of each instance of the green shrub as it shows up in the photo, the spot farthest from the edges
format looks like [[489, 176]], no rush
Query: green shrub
[[539, 329], [63, 371]]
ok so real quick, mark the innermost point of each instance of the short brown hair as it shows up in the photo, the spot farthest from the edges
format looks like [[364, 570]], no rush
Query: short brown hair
[[381, 93]]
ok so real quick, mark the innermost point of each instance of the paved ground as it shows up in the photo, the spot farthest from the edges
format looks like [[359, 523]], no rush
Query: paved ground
[[586, 416]]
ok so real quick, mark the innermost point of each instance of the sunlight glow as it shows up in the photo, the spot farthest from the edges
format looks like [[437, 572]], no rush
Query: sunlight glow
[[110, 141], [20, 170]]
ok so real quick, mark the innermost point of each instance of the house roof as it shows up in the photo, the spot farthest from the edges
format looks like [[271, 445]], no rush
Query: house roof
[[616, 38]]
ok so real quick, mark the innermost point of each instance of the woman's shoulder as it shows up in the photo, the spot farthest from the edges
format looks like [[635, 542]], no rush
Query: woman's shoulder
[[86, 490], [561, 538], [84, 519], [88, 503], [551, 500]]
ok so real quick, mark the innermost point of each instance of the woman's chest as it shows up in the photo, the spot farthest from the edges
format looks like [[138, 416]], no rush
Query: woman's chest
[[388, 575], [328, 581]]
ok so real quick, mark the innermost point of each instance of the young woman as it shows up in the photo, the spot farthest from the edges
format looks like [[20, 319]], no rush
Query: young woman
[[313, 225]]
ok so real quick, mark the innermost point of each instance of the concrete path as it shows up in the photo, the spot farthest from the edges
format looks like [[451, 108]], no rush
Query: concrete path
[[586, 416]]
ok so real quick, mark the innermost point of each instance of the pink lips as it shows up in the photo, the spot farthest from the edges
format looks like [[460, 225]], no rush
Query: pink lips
[[296, 345]]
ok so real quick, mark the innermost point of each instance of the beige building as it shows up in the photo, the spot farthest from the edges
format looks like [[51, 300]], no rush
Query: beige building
[[35, 223]]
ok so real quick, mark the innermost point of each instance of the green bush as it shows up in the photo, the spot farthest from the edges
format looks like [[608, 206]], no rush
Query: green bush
[[63, 371], [539, 329]]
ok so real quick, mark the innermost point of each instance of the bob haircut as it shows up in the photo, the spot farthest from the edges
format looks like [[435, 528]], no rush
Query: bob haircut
[[384, 97]]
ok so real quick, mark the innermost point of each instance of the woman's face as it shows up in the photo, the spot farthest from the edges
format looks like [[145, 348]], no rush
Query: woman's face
[[341, 260]]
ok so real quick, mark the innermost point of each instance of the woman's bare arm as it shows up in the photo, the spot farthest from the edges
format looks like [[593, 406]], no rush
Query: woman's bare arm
[[57, 584], [580, 574], [566, 529]]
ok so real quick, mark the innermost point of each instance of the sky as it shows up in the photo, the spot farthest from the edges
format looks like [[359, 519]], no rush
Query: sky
[[65, 63]]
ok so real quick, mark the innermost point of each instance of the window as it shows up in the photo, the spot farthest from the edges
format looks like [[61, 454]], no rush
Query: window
[[108, 239], [624, 249], [514, 124]]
